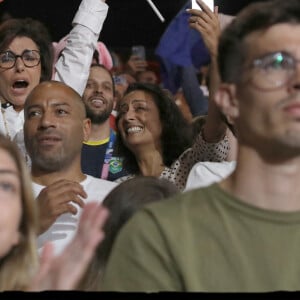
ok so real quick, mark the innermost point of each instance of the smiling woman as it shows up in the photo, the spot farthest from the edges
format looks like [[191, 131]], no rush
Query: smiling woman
[[156, 140]]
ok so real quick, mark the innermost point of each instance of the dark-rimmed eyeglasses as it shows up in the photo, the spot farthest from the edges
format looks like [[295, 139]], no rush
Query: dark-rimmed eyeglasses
[[273, 70], [30, 58]]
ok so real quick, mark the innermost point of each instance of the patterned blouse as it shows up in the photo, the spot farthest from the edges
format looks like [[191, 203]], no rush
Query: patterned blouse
[[200, 151]]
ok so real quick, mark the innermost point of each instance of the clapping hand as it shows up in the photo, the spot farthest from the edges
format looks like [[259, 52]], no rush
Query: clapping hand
[[63, 272]]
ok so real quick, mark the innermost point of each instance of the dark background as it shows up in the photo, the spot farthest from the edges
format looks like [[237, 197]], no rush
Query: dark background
[[129, 22]]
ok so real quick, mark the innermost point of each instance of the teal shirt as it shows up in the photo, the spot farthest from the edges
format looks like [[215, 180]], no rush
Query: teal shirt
[[206, 240]]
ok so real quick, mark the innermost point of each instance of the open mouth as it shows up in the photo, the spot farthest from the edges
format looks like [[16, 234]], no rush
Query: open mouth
[[97, 102], [20, 84]]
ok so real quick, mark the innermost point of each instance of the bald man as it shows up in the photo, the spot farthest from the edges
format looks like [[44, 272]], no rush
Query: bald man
[[55, 127]]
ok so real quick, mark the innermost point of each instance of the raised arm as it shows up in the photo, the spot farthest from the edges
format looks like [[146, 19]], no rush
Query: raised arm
[[194, 96], [207, 24], [73, 65]]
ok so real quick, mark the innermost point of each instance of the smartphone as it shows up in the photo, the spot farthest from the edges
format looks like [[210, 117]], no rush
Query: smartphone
[[119, 79], [209, 3], [139, 51]]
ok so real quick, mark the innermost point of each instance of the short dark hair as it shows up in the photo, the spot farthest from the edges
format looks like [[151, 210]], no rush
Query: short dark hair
[[256, 16], [34, 30], [176, 131]]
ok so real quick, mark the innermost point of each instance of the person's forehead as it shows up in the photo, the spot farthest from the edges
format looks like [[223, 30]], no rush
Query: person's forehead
[[138, 95], [99, 74], [22, 42], [51, 94], [279, 37]]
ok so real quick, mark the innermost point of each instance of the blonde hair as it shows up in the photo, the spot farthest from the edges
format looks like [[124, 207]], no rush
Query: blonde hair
[[20, 264]]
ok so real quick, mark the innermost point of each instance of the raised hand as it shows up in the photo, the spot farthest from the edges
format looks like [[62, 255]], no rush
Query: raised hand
[[136, 64], [207, 24], [63, 272], [56, 199]]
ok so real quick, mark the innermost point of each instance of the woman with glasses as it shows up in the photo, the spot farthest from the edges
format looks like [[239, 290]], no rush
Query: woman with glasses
[[25, 60], [26, 57]]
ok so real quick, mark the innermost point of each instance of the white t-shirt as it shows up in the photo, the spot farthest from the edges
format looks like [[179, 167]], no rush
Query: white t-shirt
[[205, 173], [64, 228]]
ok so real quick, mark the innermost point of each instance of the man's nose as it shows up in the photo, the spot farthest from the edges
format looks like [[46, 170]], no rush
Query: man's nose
[[46, 120]]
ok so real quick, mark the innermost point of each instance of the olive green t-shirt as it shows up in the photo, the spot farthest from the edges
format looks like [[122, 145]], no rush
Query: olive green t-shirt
[[206, 240]]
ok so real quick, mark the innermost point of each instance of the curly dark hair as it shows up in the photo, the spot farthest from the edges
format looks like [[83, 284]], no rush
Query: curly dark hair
[[34, 30], [176, 131]]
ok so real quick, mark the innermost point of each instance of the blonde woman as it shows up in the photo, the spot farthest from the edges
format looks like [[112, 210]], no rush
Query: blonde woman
[[18, 220], [19, 264]]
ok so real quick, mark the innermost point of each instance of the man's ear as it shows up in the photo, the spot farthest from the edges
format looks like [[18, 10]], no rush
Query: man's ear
[[226, 101], [86, 129]]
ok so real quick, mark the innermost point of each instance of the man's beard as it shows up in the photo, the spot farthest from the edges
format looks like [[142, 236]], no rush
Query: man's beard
[[50, 163], [97, 118]]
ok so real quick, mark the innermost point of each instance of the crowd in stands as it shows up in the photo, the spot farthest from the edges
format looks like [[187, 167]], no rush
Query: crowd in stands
[[92, 139]]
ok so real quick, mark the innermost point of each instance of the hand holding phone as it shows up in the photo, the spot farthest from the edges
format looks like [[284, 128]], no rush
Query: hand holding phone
[[209, 3], [139, 51], [137, 61], [206, 22]]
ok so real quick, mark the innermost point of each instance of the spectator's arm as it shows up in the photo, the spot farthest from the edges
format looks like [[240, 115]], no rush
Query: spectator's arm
[[73, 66]]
